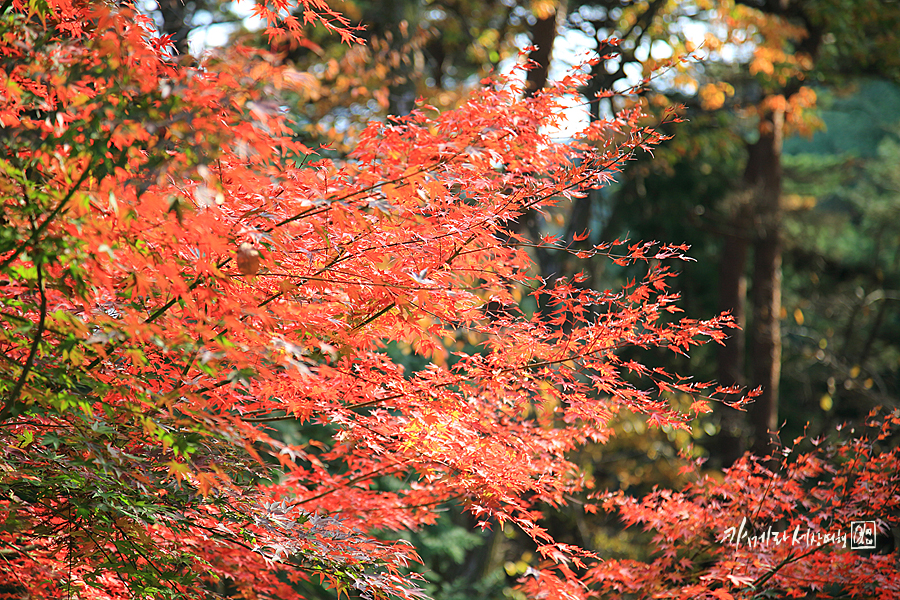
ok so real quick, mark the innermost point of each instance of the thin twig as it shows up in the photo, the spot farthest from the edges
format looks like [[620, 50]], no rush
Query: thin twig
[[347, 483], [373, 317]]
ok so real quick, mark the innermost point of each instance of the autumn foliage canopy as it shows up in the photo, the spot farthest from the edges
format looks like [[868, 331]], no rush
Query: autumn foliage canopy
[[180, 274]]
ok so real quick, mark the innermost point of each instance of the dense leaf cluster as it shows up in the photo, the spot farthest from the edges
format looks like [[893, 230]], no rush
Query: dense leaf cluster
[[179, 272]]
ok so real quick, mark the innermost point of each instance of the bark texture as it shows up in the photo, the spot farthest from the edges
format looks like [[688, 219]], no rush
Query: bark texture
[[543, 33], [731, 440], [764, 177]]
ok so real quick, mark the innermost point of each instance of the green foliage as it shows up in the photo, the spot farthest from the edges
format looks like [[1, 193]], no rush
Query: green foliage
[[842, 269], [856, 117]]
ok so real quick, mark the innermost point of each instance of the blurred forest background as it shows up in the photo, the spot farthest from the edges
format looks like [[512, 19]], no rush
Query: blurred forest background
[[784, 179]]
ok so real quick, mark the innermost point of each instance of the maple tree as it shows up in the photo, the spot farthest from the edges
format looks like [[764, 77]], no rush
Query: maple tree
[[179, 273], [785, 532]]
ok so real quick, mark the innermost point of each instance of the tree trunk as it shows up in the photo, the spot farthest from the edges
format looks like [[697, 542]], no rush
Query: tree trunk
[[730, 443], [391, 21], [543, 34], [764, 176], [174, 14]]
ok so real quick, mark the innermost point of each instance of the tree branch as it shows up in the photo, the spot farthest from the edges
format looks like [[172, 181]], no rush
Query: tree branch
[[29, 362], [40, 228]]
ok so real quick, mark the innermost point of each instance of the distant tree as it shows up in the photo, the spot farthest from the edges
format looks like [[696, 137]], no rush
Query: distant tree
[[761, 62], [842, 268]]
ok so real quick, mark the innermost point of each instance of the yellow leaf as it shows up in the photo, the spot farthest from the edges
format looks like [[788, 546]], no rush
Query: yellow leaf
[[712, 97], [179, 470], [543, 9]]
